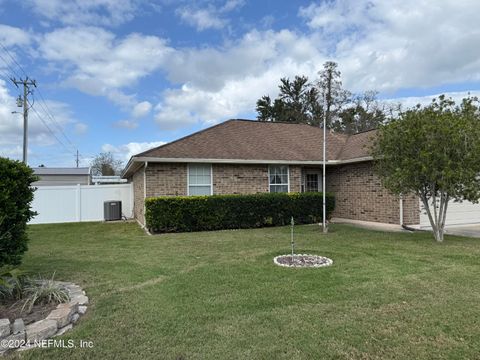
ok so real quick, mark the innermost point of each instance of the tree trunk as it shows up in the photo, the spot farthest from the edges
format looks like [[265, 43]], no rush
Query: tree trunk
[[437, 217]]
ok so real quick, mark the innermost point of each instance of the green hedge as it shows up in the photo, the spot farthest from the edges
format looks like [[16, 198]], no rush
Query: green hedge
[[16, 195], [197, 213]]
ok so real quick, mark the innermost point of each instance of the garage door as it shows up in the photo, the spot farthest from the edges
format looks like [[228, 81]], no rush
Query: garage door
[[457, 214]]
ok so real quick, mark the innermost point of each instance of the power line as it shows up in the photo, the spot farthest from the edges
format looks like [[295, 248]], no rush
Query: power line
[[44, 106], [49, 129], [11, 57]]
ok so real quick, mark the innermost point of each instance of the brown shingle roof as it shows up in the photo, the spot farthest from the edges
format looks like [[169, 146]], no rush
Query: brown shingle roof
[[255, 140]]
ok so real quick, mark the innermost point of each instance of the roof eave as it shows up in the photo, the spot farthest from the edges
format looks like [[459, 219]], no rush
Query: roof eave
[[143, 159]]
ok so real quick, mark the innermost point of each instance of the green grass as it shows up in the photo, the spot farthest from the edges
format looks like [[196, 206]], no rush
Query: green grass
[[218, 295]]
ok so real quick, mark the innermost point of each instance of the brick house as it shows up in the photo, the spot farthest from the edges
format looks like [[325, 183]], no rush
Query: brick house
[[247, 157]]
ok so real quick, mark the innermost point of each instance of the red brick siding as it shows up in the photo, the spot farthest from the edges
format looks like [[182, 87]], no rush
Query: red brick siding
[[359, 195], [138, 195], [239, 179], [166, 179]]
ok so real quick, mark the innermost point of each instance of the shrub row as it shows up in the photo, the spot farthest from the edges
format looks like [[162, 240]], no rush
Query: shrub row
[[197, 213]]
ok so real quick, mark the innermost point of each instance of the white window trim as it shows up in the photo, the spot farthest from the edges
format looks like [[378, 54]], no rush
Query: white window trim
[[188, 179], [288, 177]]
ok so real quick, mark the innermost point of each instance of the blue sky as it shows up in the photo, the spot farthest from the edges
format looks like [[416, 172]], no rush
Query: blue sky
[[123, 76]]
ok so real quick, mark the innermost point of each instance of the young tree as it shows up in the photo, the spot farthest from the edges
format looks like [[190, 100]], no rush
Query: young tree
[[16, 195], [434, 152], [105, 164], [332, 94]]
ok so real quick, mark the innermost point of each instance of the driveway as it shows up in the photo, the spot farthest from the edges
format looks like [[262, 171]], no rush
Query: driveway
[[464, 230]]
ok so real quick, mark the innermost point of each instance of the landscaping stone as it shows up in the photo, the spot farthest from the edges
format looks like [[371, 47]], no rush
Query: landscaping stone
[[18, 326], [75, 318], [302, 261], [41, 330], [4, 327], [62, 314], [80, 300], [58, 322], [63, 330]]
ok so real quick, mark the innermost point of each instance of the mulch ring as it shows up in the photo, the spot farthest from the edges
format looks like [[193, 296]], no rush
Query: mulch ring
[[302, 260]]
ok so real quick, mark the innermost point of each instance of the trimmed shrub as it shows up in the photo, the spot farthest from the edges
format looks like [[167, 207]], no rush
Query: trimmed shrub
[[16, 194], [216, 212]]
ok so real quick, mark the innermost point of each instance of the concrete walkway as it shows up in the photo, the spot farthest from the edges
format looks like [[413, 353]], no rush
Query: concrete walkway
[[464, 230]]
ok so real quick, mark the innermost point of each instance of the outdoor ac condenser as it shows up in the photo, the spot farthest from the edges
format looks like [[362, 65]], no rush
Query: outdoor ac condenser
[[112, 210]]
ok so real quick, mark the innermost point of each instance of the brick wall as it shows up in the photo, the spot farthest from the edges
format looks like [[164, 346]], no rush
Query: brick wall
[[359, 195], [239, 179], [138, 195], [166, 179]]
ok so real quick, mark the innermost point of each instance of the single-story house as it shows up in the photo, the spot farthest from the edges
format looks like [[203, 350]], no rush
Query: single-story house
[[55, 176], [247, 157]]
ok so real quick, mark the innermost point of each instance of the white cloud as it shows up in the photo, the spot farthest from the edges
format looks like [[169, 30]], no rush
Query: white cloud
[[209, 17], [201, 19], [142, 109], [125, 151], [104, 65], [75, 12], [80, 128], [126, 124], [10, 36], [388, 45], [223, 83]]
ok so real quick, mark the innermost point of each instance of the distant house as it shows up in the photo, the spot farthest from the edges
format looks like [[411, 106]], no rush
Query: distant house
[[50, 176]]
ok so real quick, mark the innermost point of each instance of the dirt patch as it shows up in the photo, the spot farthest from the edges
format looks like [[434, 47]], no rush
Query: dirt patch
[[13, 310]]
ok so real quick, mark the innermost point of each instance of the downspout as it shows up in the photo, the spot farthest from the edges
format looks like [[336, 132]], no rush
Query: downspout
[[144, 191], [401, 210]]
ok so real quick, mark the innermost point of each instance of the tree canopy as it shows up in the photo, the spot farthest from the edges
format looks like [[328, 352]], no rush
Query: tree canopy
[[105, 164], [305, 102], [433, 152]]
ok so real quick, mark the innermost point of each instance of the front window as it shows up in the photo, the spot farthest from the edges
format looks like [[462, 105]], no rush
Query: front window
[[200, 179], [278, 178]]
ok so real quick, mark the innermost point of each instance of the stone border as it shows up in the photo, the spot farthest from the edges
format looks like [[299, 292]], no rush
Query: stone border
[[58, 322], [327, 262]]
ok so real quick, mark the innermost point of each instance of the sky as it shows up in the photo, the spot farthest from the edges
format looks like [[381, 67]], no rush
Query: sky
[[127, 75]]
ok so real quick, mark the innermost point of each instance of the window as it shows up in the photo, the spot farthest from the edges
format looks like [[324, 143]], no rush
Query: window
[[278, 178], [200, 179]]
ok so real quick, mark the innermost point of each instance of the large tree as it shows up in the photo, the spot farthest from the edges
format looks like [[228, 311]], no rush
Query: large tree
[[433, 152], [105, 164], [297, 102], [304, 102]]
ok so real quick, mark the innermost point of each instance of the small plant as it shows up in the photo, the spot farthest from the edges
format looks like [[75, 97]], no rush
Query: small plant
[[11, 284], [43, 291]]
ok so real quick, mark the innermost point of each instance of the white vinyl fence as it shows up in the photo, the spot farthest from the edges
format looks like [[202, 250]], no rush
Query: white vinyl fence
[[58, 204]]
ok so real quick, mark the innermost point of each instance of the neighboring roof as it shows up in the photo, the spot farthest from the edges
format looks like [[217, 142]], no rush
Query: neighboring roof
[[61, 171], [248, 140]]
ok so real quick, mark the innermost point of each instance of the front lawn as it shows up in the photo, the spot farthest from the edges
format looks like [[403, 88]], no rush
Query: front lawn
[[218, 295]]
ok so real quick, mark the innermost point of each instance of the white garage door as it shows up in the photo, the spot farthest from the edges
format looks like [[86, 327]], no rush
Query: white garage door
[[457, 214]]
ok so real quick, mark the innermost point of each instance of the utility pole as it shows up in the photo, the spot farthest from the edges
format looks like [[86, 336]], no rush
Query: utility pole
[[26, 91], [77, 159]]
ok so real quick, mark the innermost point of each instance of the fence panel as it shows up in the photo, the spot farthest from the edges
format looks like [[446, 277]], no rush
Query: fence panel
[[57, 204]]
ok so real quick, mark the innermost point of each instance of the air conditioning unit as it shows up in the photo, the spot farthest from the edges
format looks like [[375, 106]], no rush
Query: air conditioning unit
[[112, 210]]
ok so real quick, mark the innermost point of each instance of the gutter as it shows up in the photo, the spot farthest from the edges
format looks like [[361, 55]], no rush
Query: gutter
[[134, 160]]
